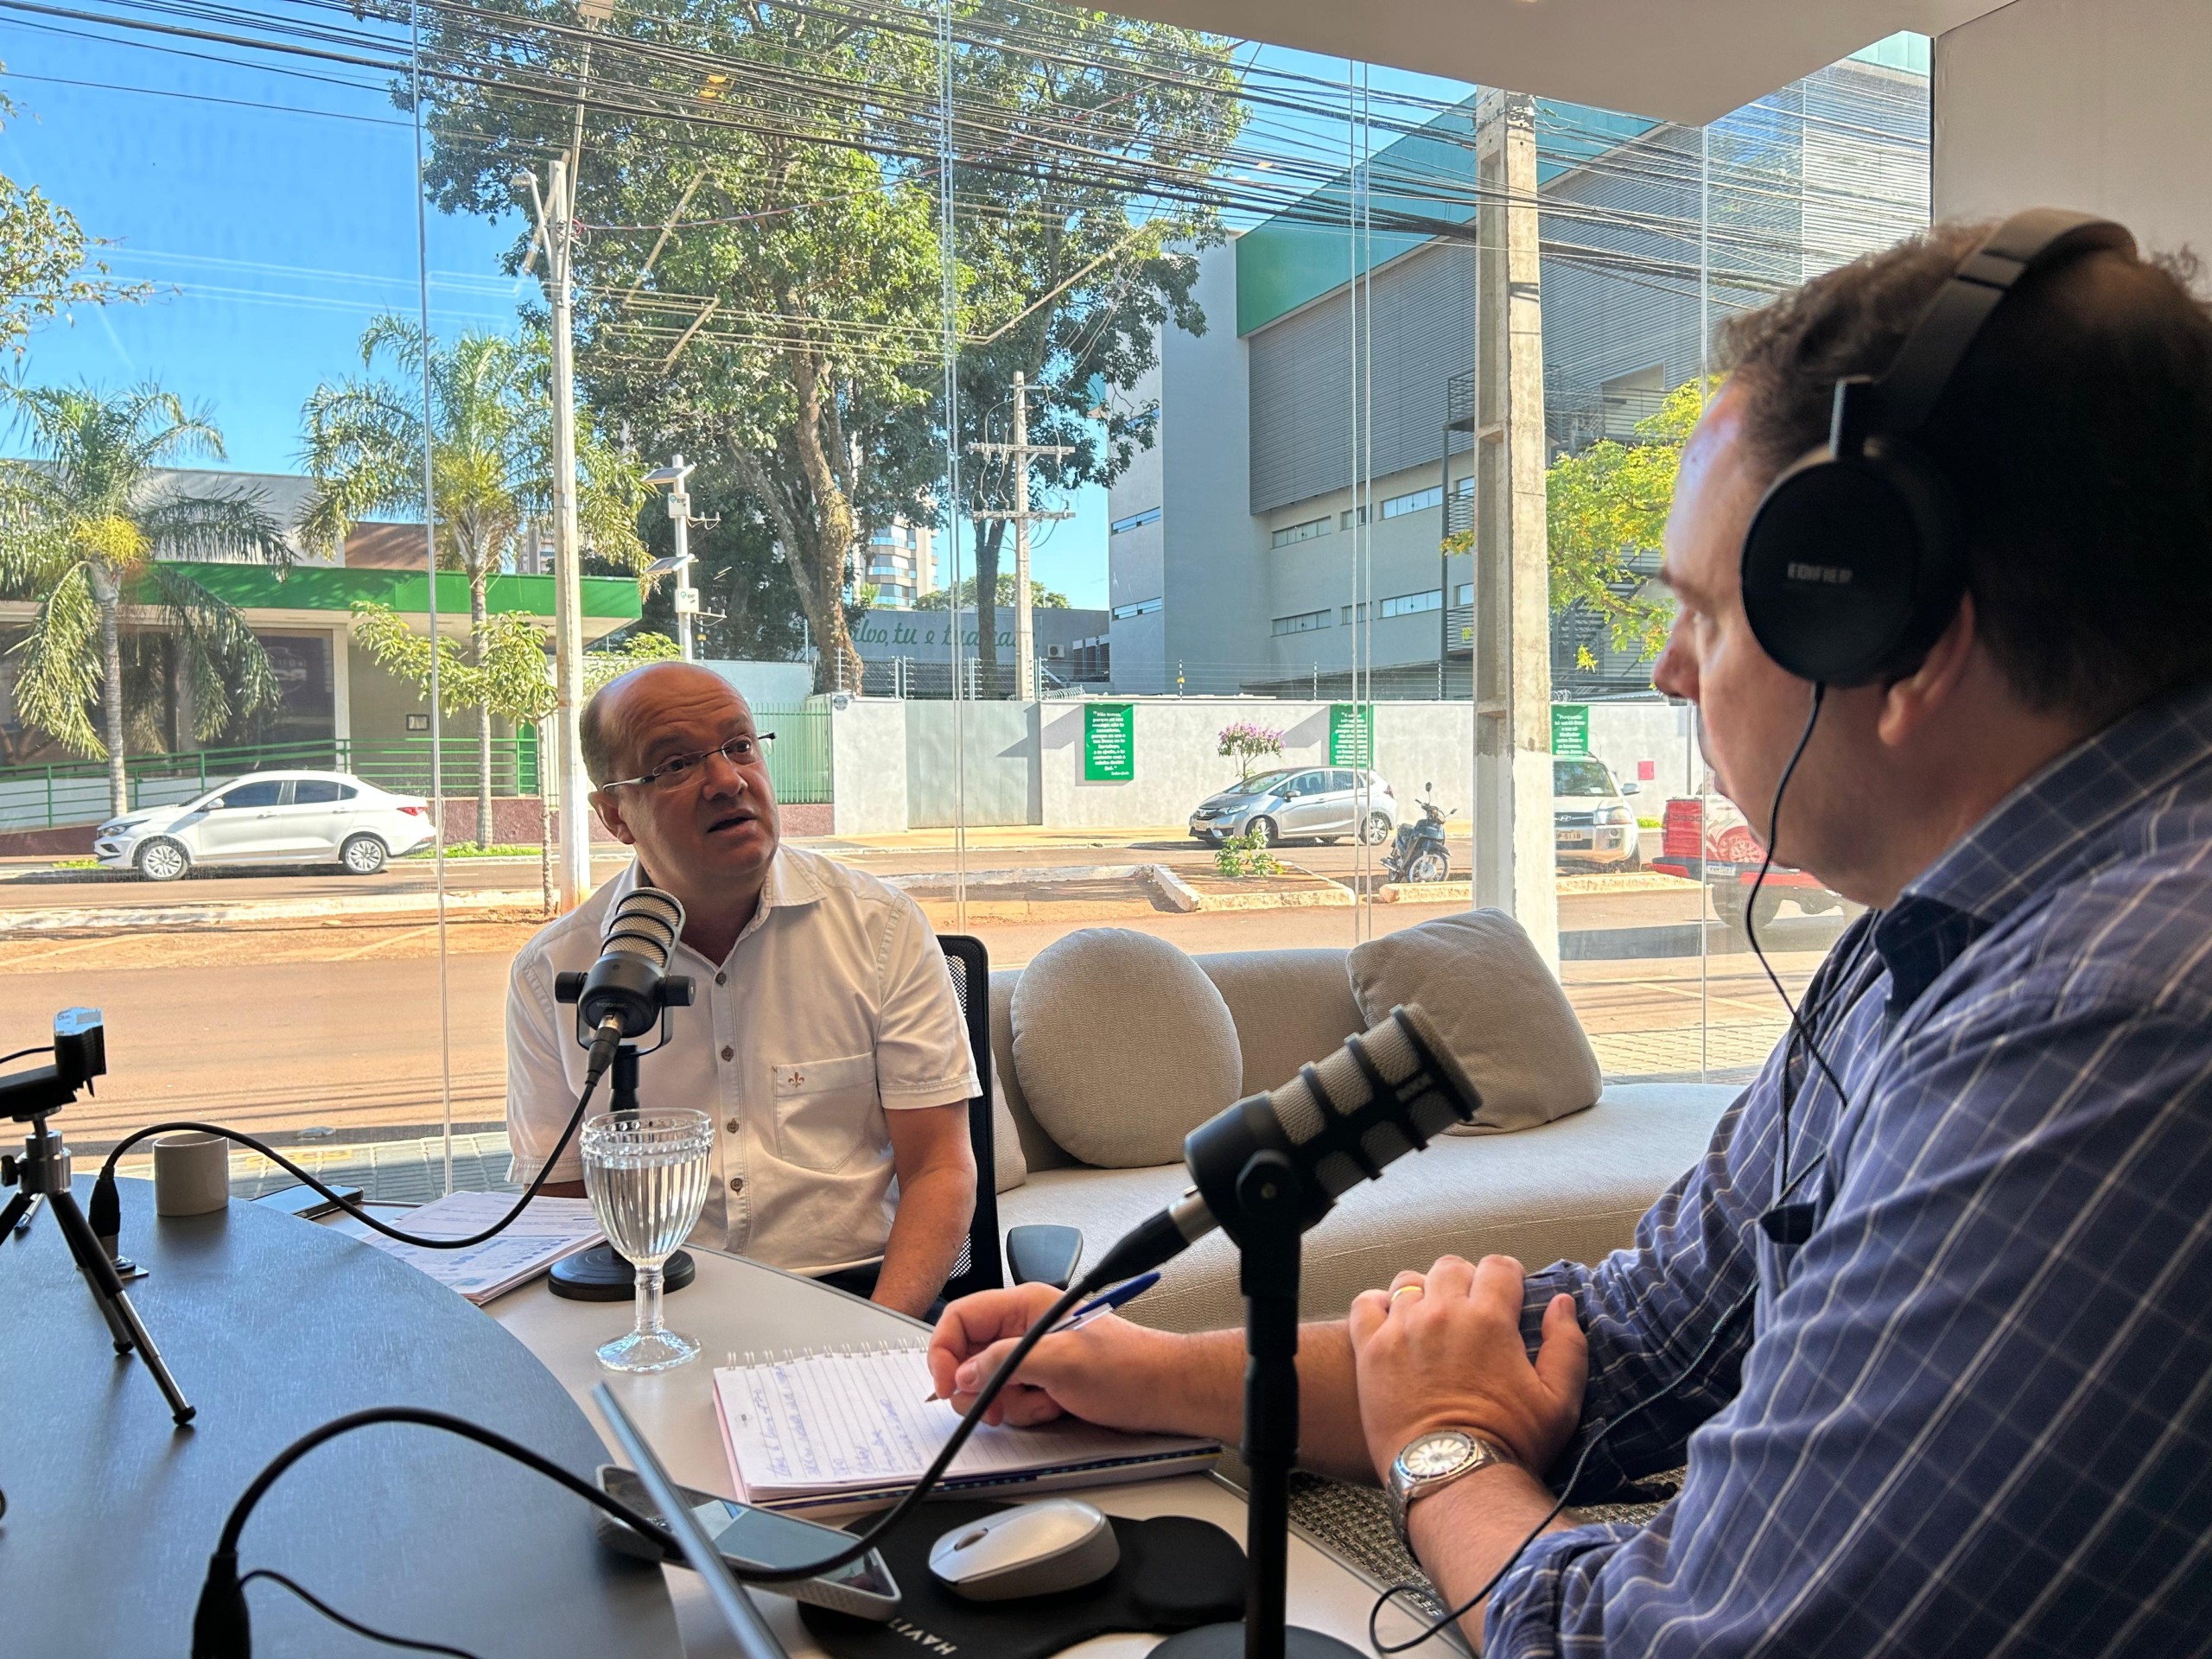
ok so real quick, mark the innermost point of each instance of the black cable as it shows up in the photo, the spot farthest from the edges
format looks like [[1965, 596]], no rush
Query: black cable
[[22, 1053], [754, 1574], [105, 1207], [1575, 1475], [220, 1623], [1799, 1032], [352, 1624], [221, 1616]]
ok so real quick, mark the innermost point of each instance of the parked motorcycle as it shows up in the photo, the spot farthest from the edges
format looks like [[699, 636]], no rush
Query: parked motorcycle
[[1418, 852]]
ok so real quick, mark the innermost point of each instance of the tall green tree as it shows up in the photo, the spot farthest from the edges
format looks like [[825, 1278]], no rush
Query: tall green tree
[[763, 285], [1040, 597], [491, 464], [1603, 506], [84, 528], [1072, 279], [800, 258]]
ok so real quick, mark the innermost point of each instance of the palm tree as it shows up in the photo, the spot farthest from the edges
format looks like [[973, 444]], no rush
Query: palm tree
[[491, 445], [82, 528]]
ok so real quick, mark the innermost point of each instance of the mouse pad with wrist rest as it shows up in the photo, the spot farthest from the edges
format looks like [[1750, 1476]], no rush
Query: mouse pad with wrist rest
[[1176, 1572]]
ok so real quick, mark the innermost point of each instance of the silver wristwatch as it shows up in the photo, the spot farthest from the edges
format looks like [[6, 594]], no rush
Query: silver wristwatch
[[1436, 1459]]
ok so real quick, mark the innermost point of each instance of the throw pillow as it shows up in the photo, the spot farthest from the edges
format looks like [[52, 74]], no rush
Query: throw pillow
[[1504, 1017], [1123, 1046]]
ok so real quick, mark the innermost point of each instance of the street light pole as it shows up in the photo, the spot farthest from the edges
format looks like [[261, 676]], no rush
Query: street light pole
[[555, 225], [678, 475]]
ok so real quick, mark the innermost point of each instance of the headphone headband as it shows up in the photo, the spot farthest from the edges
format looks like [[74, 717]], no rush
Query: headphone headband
[[1850, 569], [1899, 403]]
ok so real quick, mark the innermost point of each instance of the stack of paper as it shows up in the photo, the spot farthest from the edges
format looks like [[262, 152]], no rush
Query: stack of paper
[[547, 1231], [838, 1433]]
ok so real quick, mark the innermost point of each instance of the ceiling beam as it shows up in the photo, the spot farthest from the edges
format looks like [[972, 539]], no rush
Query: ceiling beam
[[1685, 61]]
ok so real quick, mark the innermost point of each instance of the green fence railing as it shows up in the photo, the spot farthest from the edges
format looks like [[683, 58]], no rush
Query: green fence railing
[[76, 791]]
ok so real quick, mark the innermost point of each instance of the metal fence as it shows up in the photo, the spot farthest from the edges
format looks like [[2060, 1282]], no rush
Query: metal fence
[[76, 791]]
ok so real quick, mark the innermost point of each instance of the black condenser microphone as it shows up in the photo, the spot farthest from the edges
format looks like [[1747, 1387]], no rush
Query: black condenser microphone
[[623, 995], [1380, 1097]]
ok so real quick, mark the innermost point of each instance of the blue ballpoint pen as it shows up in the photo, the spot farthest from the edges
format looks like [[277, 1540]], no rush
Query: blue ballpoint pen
[[1127, 1291]]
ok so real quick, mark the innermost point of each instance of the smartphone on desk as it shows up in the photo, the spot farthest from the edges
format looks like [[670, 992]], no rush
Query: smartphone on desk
[[303, 1201], [746, 1535]]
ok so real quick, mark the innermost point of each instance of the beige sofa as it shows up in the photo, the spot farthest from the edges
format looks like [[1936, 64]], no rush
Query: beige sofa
[[1571, 1189]]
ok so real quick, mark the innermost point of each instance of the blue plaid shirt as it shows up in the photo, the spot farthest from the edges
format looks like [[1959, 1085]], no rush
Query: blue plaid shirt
[[1972, 1411]]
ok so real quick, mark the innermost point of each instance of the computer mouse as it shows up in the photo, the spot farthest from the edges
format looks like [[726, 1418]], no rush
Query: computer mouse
[[1033, 1549]]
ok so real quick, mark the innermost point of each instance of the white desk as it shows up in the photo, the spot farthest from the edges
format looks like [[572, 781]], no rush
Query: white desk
[[736, 1304]]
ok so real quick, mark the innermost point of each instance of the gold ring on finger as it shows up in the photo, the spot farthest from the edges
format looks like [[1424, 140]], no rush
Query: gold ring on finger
[[1404, 1290]]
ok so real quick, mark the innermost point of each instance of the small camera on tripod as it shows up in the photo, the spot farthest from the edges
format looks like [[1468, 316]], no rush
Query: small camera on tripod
[[79, 1055]]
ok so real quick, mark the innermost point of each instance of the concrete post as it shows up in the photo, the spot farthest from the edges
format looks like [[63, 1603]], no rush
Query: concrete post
[[1514, 856], [568, 569]]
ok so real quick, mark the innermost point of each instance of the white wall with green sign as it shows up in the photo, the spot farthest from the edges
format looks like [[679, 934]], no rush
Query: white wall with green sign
[[1109, 742]]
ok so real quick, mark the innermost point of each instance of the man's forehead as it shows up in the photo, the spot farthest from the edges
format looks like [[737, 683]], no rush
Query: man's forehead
[[1713, 492], [669, 710]]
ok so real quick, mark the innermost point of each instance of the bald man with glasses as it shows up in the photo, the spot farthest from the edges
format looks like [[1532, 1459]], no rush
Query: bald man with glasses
[[826, 1043]]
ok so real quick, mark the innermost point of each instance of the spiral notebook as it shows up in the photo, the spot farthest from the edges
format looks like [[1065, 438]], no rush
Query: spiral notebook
[[831, 1432]]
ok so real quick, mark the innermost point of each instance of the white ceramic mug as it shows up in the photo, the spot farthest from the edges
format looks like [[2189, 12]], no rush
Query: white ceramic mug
[[192, 1174]]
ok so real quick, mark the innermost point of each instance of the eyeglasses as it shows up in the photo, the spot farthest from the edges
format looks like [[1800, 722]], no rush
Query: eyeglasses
[[742, 751]]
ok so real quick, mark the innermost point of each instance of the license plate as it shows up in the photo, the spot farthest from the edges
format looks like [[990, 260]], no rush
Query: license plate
[[1574, 837]]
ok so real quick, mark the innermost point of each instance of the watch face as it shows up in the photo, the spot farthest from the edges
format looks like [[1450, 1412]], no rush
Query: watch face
[[1436, 1454]]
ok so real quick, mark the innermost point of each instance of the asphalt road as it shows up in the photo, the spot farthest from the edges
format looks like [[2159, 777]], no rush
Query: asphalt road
[[37, 886]]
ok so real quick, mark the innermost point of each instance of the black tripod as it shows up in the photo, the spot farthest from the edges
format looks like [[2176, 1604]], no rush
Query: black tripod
[[42, 1173]]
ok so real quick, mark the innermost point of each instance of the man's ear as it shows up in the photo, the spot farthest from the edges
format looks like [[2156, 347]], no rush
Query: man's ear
[[1910, 701], [610, 813]]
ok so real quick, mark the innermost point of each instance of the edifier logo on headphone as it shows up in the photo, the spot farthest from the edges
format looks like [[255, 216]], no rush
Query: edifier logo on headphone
[[1832, 575]]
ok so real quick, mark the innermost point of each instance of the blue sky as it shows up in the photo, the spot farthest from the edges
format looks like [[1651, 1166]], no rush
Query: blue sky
[[277, 214]]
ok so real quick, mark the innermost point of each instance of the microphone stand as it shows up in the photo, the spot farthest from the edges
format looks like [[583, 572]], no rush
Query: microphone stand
[[600, 1274], [1267, 1221]]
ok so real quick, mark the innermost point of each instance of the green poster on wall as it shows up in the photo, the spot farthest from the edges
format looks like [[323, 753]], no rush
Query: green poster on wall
[[1109, 742], [1351, 734], [1571, 729]]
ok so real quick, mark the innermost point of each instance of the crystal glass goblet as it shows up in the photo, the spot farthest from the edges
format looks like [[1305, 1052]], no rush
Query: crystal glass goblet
[[646, 1173]]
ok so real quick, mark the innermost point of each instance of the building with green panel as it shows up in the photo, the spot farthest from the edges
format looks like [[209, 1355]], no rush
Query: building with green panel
[[1231, 543]]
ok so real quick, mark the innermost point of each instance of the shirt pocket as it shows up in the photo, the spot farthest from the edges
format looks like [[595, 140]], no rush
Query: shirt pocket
[[828, 1112]]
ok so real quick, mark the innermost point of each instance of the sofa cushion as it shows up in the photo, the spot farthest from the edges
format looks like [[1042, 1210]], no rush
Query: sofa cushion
[[1569, 1190], [1290, 1007], [1039, 1149], [1123, 1046], [1009, 1169], [1478, 976]]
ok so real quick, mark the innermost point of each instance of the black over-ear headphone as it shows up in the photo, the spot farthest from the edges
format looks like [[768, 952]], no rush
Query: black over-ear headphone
[[1852, 567]]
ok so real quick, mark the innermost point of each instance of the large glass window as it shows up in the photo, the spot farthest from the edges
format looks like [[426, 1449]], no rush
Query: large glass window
[[1072, 429]]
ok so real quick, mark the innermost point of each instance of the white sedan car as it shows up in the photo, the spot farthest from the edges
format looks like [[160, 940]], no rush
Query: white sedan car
[[269, 818]]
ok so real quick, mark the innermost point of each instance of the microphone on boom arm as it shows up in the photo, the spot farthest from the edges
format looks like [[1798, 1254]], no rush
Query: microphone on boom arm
[[1383, 1094], [629, 988]]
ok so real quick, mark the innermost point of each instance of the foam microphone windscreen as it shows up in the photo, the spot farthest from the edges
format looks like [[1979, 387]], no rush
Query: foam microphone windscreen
[[645, 923], [1421, 1088]]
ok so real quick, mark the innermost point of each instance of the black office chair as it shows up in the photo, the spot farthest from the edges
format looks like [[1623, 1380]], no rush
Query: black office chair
[[1038, 1255]]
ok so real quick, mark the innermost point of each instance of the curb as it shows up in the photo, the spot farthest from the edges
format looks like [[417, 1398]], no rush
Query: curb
[[280, 910]]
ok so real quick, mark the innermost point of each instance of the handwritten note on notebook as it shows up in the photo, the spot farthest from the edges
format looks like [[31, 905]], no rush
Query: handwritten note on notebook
[[832, 1425]]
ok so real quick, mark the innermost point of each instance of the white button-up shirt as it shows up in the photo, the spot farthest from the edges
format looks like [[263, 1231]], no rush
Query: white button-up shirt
[[834, 1006]]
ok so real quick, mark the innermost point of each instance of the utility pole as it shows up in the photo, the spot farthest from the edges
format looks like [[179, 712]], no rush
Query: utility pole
[[556, 229], [677, 476], [1021, 451]]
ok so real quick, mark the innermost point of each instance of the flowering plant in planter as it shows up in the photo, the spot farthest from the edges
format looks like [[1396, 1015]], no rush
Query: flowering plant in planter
[[1248, 745]]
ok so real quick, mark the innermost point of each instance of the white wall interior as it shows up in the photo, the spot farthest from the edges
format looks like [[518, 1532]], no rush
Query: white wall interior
[[2098, 104]]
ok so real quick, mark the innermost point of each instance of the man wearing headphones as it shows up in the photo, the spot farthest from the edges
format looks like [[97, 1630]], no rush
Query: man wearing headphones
[[1929, 1323]]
